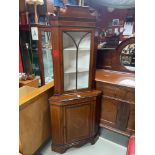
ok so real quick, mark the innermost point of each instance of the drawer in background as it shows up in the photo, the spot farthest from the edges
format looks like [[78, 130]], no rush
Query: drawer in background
[[116, 91]]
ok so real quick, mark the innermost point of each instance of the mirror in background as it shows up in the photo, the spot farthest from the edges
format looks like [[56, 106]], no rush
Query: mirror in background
[[127, 57]]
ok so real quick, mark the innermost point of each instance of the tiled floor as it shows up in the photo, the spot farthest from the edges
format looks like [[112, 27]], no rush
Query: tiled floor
[[101, 147], [109, 143]]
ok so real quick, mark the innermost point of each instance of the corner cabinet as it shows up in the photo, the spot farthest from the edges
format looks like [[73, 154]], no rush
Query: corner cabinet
[[74, 119], [37, 54], [75, 106], [73, 49]]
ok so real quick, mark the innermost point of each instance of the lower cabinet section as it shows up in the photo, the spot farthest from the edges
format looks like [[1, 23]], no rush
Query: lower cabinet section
[[74, 119], [117, 108]]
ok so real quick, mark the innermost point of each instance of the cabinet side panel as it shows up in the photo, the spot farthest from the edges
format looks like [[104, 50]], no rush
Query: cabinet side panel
[[56, 123], [92, 62], [93, 118], [97, 113], [57, 60], [109, 111], [131, 121], [123, 115]]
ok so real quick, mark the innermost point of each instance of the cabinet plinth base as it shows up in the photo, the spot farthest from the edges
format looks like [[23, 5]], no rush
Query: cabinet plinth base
[[63, 148]]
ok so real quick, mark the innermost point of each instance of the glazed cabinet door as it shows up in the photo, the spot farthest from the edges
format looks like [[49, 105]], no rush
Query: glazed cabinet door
[[46, 52], [78, 121], [24, 39], [76, 59], [29, 52]]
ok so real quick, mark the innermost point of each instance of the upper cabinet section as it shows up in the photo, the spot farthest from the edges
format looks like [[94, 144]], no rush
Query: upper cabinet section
[[73, 49]]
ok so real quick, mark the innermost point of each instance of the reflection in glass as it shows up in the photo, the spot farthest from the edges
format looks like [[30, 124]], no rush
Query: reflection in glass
[[35, 62], [70, 81], [29, 53], [25, 53], [127, 57], [47, 57], [76, 58]]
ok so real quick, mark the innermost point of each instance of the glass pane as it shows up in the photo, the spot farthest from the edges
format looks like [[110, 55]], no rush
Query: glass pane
[[29, 52], [83, 80], [35, 59], [35, 62], [83, 61], [47, 56], [76, 59], [69, 60], [25, 53], [69, 81]]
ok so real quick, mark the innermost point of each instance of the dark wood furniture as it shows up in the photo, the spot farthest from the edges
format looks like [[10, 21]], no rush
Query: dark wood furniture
[[118, 101], [73, 49], [110, 58], [75, 105], [37, 54], [74, 119]]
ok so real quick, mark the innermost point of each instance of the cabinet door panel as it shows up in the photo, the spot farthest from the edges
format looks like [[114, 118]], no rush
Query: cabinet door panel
[[109, 111], [131, 121], [123, 115], [77, 122]]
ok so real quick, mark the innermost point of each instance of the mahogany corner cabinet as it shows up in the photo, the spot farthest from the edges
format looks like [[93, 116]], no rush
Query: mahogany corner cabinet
[[75, 107]]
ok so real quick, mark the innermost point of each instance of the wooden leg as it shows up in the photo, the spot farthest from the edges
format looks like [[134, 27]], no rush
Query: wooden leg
[[62, 149], [59, 149]]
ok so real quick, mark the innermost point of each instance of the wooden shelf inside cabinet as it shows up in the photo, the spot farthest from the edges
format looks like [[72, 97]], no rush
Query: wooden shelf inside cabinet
[[72, 70], [74, 49]]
